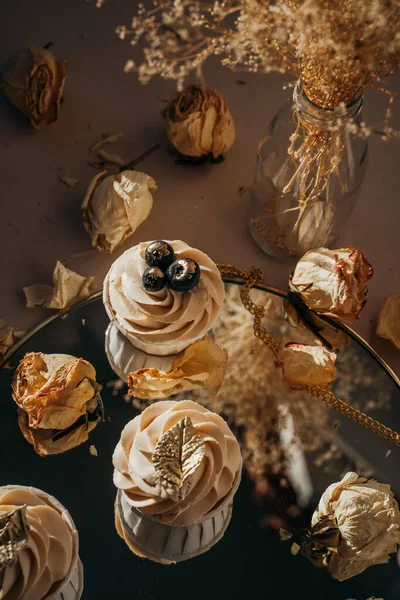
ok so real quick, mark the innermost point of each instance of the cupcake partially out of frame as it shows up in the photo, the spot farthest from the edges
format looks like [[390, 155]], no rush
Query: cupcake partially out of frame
[[163, 296], [38, 548], [177, 467]]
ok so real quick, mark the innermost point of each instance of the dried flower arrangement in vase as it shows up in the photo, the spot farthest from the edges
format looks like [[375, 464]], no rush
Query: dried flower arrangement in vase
[[309, 167]]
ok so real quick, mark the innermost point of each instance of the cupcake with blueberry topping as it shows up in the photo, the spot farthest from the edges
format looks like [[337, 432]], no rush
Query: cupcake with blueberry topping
[[163, 296]]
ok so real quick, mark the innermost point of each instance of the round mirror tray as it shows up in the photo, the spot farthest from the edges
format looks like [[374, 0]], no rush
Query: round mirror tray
[[293, 447]]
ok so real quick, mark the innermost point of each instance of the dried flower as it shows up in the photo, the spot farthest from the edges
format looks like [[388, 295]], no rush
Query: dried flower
[[34, 81], [199, 122], [368, 519], [57, 441], [55, 390], [307, 365], [202, 364], [115, 206], [389, 320], [68, 287], [70, 182], [333, 282]]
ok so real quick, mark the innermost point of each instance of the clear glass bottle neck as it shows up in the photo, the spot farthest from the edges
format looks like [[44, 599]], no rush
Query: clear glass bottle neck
[[324, 117]]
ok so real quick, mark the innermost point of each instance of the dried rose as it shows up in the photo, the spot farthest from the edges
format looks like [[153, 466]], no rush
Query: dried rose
[[202, 364], [115, 206], [333, 282], [55, 390], [57, 441], [68, 287], [199, 122], [368, 519], [389, 320], [329, 334], [307, 365], [34, 81]]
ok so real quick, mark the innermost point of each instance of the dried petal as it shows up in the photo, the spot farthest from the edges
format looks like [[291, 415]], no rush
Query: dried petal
[[177, 455], [108, 139], [115, 206], [111, 157], [389, 320], [34, 81], [368, 518], [199, 122], [93, 450], [55, 390], [6, 337], [202, 364], [333, 282], [68, 288], [69, 181], [14, 533], [307, 365]]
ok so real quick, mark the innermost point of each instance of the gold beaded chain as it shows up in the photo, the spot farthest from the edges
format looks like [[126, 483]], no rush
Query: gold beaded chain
[[255, 276]]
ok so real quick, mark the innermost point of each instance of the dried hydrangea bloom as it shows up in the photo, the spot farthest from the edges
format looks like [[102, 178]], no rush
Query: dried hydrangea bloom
[[55, 390], [34, 81], [389, 320], [333, 282], [202, 364], [199, 122], [307, 365], [368, 519], [115, 206], [67, 289]]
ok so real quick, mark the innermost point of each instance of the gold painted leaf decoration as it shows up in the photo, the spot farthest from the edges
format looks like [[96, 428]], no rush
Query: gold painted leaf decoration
[[178, 453], [14, 532]]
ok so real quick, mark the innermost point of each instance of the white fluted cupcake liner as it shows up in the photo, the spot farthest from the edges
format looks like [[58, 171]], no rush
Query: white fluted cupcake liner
[[124, 357], [167, 543], [71, 587]]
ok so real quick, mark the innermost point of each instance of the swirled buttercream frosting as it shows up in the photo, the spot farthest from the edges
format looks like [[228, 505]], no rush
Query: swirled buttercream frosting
[[206, 488], [46, 558], [167, 321]]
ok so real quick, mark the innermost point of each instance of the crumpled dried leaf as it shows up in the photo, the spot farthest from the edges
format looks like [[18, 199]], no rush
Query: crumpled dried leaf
[[201, 364], [307, 365], [14, 533], [115, 206], [177, 455], [368, 518], [199, 122], [54, 389], [34, 81], [68, 288], [389, 320], [333, 282], [58, 441]]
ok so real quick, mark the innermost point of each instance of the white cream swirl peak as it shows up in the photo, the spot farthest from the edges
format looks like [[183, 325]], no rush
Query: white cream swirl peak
[[171, 514], [47, 565], [166, 321]]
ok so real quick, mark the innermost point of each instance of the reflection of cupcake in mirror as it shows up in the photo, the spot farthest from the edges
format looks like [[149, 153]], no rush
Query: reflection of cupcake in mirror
[[59, 401], [38, 547], [177, 468], [163, 297]]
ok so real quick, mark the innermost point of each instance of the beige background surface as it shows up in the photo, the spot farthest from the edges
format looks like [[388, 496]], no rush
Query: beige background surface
[[41, 218]]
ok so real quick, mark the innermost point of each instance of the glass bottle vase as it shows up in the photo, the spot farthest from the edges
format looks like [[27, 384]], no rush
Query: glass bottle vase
[[309, 171]]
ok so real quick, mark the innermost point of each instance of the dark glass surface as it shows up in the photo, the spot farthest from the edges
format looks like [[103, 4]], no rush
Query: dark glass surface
[[250, 561]]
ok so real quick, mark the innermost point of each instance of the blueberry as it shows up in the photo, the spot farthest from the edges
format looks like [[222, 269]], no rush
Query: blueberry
[[159, 254], [183, 275], [153, 279]]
